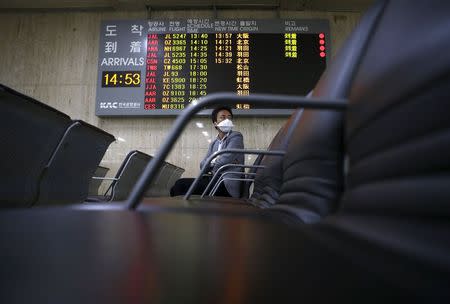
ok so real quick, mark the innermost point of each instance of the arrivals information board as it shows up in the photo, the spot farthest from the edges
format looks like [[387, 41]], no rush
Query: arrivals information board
[[158, 67]]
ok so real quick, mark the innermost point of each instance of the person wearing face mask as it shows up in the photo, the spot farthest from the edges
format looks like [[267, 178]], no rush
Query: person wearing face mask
[[226, 139]]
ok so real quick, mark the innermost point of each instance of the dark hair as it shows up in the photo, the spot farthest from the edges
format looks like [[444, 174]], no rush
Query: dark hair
[[217, 110]]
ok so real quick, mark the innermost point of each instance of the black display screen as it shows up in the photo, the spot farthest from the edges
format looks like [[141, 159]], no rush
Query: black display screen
[[183, 67]]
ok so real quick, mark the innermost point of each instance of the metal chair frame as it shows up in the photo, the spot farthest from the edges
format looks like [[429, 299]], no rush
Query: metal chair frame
[[231, 179], [114, 180], [216, 175], [221, 179], [214, 155]]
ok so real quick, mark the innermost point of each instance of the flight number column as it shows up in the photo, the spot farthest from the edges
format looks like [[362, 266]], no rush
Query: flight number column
[[198, 66], [174, 83]]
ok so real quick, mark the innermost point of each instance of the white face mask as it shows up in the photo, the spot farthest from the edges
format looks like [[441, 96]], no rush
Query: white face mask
[[225, 125]]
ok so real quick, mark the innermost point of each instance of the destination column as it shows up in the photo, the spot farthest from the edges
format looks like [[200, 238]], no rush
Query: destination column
[[243, 67]]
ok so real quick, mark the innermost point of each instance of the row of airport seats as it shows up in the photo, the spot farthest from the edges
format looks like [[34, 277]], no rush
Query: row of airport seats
[[129, 172], [50, 159], [380, 228], [46, 158]]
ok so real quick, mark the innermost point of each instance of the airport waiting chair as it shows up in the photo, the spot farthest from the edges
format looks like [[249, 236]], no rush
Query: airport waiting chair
[[313, 169], [154, 190], [268, 180], [177, 173], [31, 133], [125, 178], [112, 180], [166, 178], [67, 175], [130, 174]]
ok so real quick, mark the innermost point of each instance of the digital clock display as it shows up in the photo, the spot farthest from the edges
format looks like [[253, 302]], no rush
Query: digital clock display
[[113, 79]]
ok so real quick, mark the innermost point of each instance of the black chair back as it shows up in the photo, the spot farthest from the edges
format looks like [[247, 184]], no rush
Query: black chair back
[[130, 171], [31, 133], [166, 178], [267, 183], [69, 172]]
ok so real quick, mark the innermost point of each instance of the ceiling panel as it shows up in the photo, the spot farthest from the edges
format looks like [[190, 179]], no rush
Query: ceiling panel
[[316, 5], [42, 4], [330, 5]]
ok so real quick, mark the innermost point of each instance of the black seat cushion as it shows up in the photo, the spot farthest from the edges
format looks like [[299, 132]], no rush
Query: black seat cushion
[[268, 181]]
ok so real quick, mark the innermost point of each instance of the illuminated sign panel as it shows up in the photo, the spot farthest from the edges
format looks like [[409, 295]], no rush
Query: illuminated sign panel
[[158, 67]]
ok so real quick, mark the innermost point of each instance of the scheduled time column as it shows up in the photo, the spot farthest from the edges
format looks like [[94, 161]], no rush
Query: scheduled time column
[[198, 66]]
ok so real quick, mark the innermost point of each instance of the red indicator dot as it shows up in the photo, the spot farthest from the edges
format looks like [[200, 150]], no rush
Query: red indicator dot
[[321, 36], [321, 41], [322, 48], [322, 54]]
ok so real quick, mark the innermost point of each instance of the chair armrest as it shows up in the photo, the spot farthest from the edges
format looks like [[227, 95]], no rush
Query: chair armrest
[[216, 175], [246, 176], [229, 178], [105, 178]]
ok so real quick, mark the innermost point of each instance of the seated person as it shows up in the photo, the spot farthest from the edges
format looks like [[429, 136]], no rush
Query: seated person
[[226, 139]]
